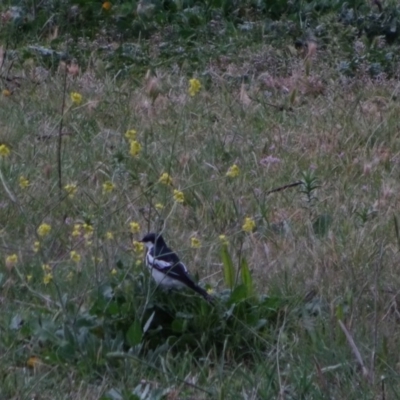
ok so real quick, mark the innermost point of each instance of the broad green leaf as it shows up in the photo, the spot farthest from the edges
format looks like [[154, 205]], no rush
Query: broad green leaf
[[229, 270], [239, 294], [246, 277], [134, 334]]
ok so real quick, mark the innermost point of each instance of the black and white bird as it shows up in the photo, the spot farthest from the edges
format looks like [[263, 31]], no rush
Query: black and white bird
[[166, 268]]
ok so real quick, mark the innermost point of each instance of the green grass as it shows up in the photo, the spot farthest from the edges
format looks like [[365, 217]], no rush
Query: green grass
[[321, 252]]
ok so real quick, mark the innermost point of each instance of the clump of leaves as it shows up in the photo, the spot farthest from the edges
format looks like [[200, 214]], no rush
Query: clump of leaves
[[133, 315]]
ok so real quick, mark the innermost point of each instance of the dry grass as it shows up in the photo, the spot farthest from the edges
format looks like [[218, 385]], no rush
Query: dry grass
[[273, 128]]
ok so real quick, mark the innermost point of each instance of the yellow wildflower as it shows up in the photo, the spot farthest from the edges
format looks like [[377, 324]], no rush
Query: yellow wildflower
[[106, 6], [46, 268], [76, 98], [75, 256], [43, 230], [6, 93], [166, 179], [233, 171], [109, 235], [159, 206], [108, 187], [223, 239], [23, 182], [28, 278], [71, 190], [114, 271], [70, 275], [36, 246], [88, 229], [138, 247], [210, 290], [135, 148], [11, 261], [47, 278], [179, 197], [134, 227], [195, 243], [97, 260], [4, 150], [131, 134], [248, 225], [33, 362], [77, 230], [194, 86]]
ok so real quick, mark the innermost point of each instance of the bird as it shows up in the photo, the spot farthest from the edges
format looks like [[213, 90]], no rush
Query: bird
[[166, 268]]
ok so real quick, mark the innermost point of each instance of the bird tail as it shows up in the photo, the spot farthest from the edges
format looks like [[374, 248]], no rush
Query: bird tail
[[203, 293]]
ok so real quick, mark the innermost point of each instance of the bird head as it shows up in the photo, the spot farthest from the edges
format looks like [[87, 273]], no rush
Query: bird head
[[152, 239]]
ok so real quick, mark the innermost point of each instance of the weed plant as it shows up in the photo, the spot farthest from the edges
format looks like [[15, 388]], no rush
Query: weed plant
[[271, 170]]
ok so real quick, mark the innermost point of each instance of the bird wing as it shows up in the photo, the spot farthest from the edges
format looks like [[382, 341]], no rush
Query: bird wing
[[165, 258], [174, 270], [170, 265]]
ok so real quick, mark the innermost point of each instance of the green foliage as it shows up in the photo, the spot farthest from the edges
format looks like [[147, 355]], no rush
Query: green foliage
[[229, 272], [99, 327], [130, 22], [120, 319], [310, 185]]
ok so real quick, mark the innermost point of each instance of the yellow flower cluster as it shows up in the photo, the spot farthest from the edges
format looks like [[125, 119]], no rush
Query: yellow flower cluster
[[88, 230], [166, 179], [194, 86], [75, 256], [248, 225], [71, 190], [233, 171], [76, 98], [23, 182], [179, 197], [108, 187], [46, 268], [43, 230], [134, 227], [138, 247], [131, 134], [77, 230], [4, 150], [48, 276], [195, 243], [223, 239], [134, 146], [36, 246], [11, 261]]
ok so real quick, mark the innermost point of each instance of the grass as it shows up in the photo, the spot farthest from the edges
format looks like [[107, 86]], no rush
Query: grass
[[321, 253]]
